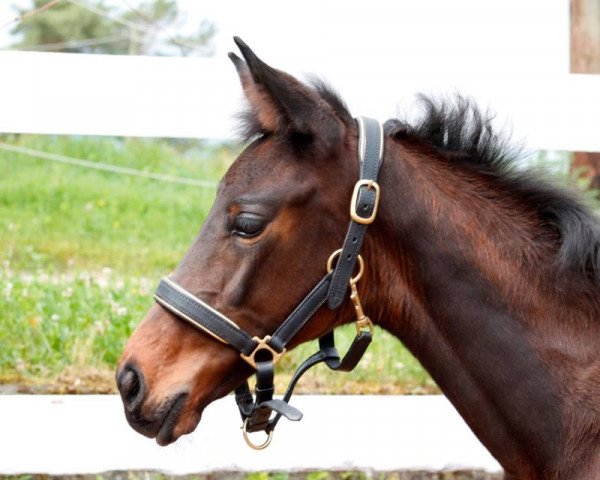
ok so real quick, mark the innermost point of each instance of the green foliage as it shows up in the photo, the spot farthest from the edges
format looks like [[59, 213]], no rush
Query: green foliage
[[557, 165], [317, 476], [66, 22], [137, 30], [260, 476]]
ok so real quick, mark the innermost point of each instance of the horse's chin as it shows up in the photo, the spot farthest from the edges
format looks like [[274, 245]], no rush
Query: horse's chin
[[184, 414], [178, 422]]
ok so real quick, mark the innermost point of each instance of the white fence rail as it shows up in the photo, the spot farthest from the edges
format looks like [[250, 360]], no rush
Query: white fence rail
[[512, 56], [88, 434], [52, 93]]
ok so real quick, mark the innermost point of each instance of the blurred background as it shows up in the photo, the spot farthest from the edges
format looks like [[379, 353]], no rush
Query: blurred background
[[118, 120]]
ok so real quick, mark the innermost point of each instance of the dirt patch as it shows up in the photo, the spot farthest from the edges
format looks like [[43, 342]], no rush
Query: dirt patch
[[102, 381], [414, 475], [70, 381]]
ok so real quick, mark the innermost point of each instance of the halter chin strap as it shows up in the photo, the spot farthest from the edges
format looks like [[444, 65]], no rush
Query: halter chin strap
[[262, 354]]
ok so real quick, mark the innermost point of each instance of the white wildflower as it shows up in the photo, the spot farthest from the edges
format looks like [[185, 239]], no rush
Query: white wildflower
[[100, 327], [8, 288], [102, 279], [85, 277], [145, 287]]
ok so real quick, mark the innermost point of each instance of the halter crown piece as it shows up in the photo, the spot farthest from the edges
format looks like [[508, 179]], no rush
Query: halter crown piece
[[262, 354]]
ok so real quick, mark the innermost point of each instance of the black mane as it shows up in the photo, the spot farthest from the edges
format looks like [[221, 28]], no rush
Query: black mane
[[457, 129]]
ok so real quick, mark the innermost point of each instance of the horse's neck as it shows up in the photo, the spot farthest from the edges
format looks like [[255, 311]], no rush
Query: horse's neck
[[457, 293]]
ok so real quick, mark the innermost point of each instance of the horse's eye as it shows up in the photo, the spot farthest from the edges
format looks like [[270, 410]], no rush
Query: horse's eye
[[247, 225]]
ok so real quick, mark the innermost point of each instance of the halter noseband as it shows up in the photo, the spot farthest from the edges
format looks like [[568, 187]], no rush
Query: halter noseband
[[262, 354]]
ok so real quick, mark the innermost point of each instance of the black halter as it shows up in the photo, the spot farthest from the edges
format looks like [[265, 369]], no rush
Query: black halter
[[263, 353]]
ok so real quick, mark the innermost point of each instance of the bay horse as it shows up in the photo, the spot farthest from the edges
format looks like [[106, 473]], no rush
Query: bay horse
[[486, 272]]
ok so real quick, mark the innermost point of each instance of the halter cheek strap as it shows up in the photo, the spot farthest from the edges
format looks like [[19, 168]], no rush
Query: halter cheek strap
[[363, 207], [262, 354]]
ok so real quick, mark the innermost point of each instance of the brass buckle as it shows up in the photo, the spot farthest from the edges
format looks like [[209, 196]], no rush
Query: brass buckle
[[255, 446], [353, 214], [262, 345]]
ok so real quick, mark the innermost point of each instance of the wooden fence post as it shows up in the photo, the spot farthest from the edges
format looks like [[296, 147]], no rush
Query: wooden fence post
[[585, 58]]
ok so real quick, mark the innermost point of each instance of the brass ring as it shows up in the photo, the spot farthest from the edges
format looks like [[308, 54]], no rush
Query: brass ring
[[361, 266], [263, 445]]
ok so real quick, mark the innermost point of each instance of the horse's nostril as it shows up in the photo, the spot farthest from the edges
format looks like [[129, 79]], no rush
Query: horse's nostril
[[131, 386]]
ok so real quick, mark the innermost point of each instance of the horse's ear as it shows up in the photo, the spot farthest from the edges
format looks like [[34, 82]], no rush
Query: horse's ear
[[282, 102], [257, 96]]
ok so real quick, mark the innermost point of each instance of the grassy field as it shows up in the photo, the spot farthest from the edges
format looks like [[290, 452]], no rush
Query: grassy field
[[82, 250]]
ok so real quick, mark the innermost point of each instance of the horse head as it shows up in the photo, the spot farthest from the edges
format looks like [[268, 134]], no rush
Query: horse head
[[280, 211]]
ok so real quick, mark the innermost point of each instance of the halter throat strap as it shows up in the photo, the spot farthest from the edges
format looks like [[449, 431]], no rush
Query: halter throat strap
[[262, 354]]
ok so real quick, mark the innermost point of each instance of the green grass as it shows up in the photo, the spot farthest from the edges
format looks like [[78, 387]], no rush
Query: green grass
[[82, 250], [54, 215]]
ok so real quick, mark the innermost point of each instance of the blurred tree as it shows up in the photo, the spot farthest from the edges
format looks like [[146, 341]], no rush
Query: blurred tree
[[159, 16], [93, 27], [66, 23]]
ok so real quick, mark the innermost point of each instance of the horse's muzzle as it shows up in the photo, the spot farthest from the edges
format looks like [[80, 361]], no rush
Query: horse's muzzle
[[158, 424]]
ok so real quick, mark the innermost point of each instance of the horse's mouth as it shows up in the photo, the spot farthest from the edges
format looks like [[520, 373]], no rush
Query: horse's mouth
[[165, 434], [162, 424]]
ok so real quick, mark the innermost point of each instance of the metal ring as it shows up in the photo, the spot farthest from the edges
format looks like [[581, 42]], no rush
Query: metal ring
[[361, 266], [263, 445], [262, 344]]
